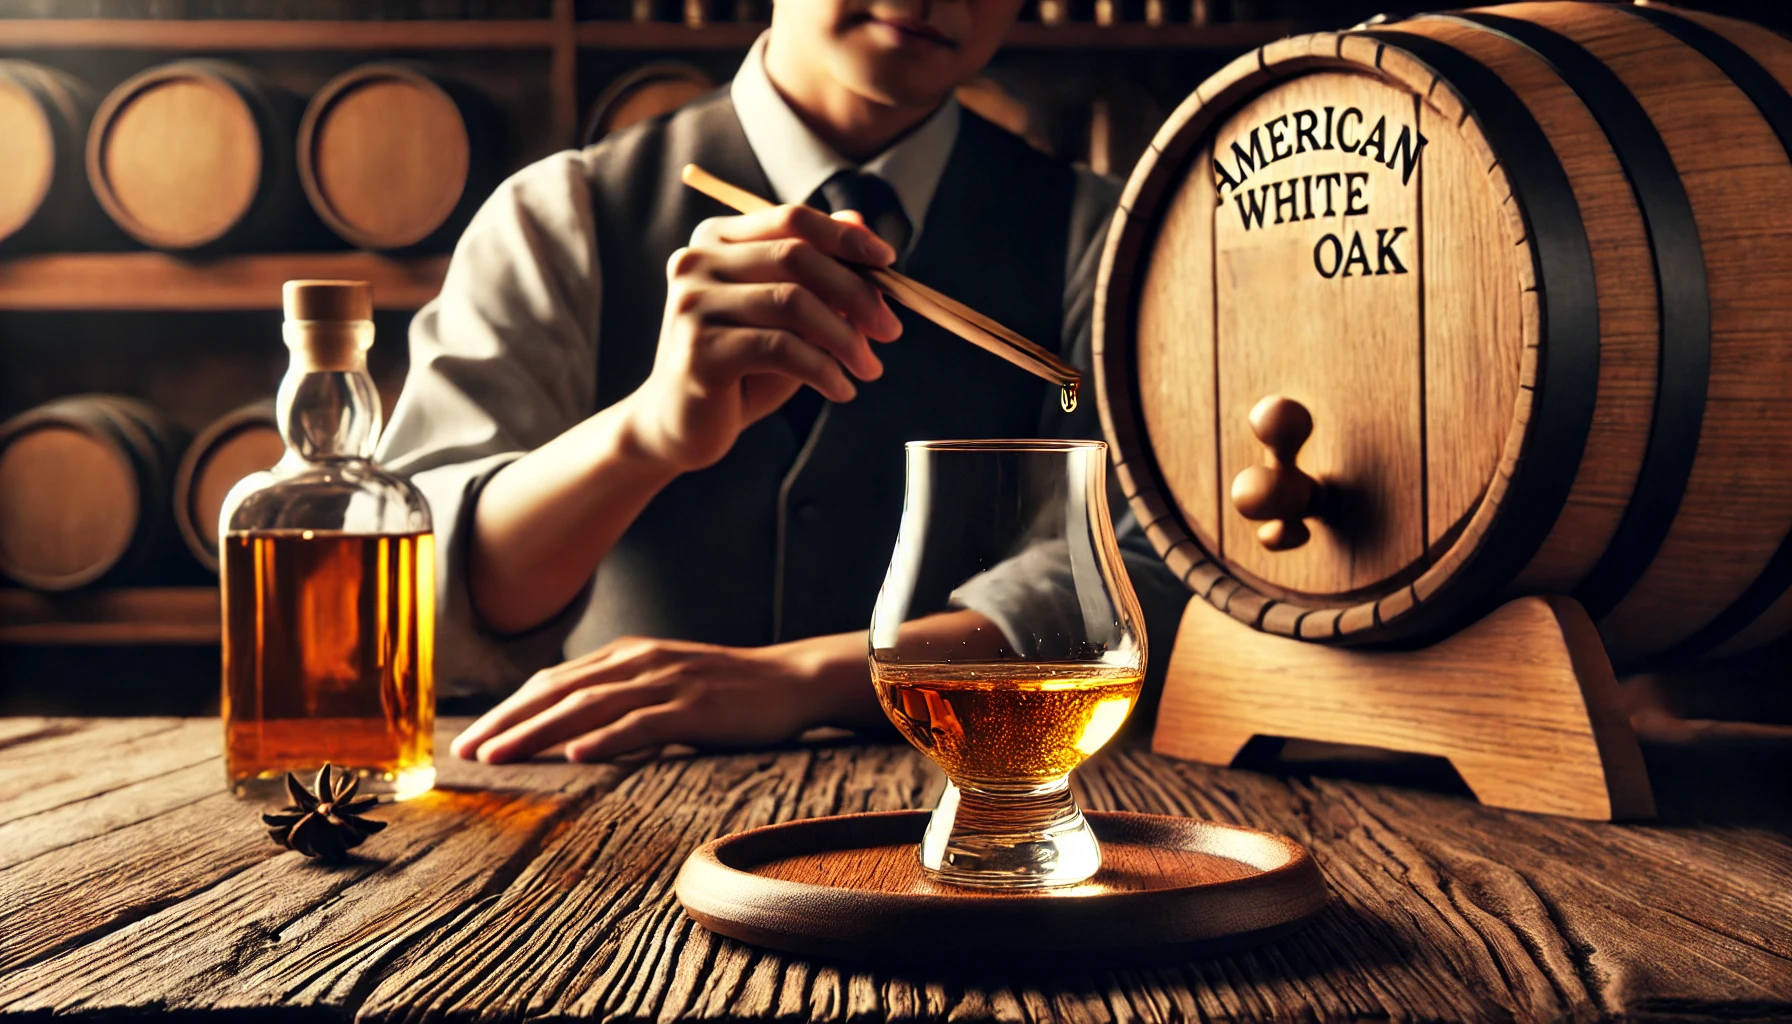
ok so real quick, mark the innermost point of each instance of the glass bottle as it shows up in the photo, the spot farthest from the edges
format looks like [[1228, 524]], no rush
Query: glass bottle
[[1008, 646], [327, 566]]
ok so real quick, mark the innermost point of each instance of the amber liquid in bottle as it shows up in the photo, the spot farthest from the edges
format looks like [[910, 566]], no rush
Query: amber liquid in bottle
[[1007, 722], [328, 655]]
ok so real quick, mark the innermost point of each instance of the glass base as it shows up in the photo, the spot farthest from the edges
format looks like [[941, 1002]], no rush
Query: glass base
[[270, 787], [1009, 837]]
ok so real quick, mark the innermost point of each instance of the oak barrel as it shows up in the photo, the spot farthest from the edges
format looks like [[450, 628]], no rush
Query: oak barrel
[[646, 92], [243, 441], [44, 199], [1525, 274], [84, 486], [196, 154], [393, 156]]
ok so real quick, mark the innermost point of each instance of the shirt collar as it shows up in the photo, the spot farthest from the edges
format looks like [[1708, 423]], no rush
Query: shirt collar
[[796, 161]]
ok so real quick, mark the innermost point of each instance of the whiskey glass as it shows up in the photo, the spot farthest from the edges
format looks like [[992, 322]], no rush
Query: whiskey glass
[[1008, 646]]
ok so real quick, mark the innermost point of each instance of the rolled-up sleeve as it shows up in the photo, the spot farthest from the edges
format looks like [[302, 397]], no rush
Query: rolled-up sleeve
[[502, 361], [1031, 595]]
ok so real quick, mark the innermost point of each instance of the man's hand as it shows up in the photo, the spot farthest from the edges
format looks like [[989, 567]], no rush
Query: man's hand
[[635, 693], [756, 307]]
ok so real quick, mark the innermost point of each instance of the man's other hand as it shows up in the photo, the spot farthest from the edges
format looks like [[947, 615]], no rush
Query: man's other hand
[[638, 693]]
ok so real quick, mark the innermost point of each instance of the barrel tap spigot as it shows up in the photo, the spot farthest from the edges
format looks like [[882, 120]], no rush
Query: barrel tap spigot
[[1277, 493]]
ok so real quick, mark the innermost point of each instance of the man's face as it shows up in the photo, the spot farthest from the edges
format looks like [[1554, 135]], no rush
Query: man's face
[[904, 53]]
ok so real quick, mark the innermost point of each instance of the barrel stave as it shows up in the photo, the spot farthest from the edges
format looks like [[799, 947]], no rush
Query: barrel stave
[[1737, 505]]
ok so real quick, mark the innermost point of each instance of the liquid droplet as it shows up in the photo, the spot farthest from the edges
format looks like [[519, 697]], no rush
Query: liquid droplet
[[1067, 396]]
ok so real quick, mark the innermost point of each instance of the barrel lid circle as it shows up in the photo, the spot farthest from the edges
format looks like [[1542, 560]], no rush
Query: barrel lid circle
[[175, 155], [385, 155]]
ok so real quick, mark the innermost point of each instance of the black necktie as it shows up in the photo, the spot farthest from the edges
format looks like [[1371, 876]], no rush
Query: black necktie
[[876, 201]]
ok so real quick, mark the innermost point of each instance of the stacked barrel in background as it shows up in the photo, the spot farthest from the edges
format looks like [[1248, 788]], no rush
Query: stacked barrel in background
[[201, 155], [1507, 290], [211, 155], [207, 159]]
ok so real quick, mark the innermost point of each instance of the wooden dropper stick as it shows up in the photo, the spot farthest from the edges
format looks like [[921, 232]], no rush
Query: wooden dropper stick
[[949, 313]]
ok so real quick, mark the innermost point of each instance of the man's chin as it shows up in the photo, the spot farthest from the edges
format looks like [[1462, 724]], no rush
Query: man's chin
[[903, 81]]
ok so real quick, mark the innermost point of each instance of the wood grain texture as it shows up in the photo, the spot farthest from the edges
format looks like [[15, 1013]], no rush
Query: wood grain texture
[[1523, 704], [1738, 176], [1471, 307], [851, 887], [1629, 325], [1359, 372], [1175, 354], [154, 281], [200, 35], [206, 35], [118, 615], [543, 890]]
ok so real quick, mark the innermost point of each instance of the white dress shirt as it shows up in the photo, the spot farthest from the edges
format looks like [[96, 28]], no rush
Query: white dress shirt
[[796, 161]]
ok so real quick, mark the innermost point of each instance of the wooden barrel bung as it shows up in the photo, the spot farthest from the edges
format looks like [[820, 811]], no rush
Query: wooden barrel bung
[[243, 441], [646, 92], [43, 123], [392, 156], [84, 485], [1520, 267], [193, 154]]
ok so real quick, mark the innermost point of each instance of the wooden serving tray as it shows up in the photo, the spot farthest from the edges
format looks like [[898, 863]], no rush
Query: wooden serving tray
[[852, 887]]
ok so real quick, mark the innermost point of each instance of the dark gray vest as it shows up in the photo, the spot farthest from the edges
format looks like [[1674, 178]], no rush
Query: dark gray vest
[[789, 536]]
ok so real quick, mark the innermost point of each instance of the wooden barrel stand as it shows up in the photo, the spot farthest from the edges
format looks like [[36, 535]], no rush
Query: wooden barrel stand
[[1523, 704]]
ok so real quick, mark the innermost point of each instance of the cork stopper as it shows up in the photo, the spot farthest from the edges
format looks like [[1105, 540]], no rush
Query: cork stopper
[[329, 325], [328, 300]]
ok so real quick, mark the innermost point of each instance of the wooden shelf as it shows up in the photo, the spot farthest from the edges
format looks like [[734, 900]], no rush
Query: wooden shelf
[[1240, 35], [130, 615], [656, 35], [226, 35], [160, 34], [156, 281]]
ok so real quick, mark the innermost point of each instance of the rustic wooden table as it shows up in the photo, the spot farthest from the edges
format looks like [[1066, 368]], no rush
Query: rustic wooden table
[[130, 881]]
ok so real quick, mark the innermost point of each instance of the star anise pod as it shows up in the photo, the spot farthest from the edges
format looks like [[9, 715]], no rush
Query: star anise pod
[[325, 824]]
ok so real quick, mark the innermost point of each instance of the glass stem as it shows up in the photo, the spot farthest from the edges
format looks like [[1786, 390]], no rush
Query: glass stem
[[1015, 836]]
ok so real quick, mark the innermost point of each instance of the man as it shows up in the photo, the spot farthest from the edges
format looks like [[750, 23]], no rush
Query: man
[[636, 416]]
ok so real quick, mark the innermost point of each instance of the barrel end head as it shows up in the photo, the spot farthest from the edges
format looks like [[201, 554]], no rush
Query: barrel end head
[[328, 300]]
